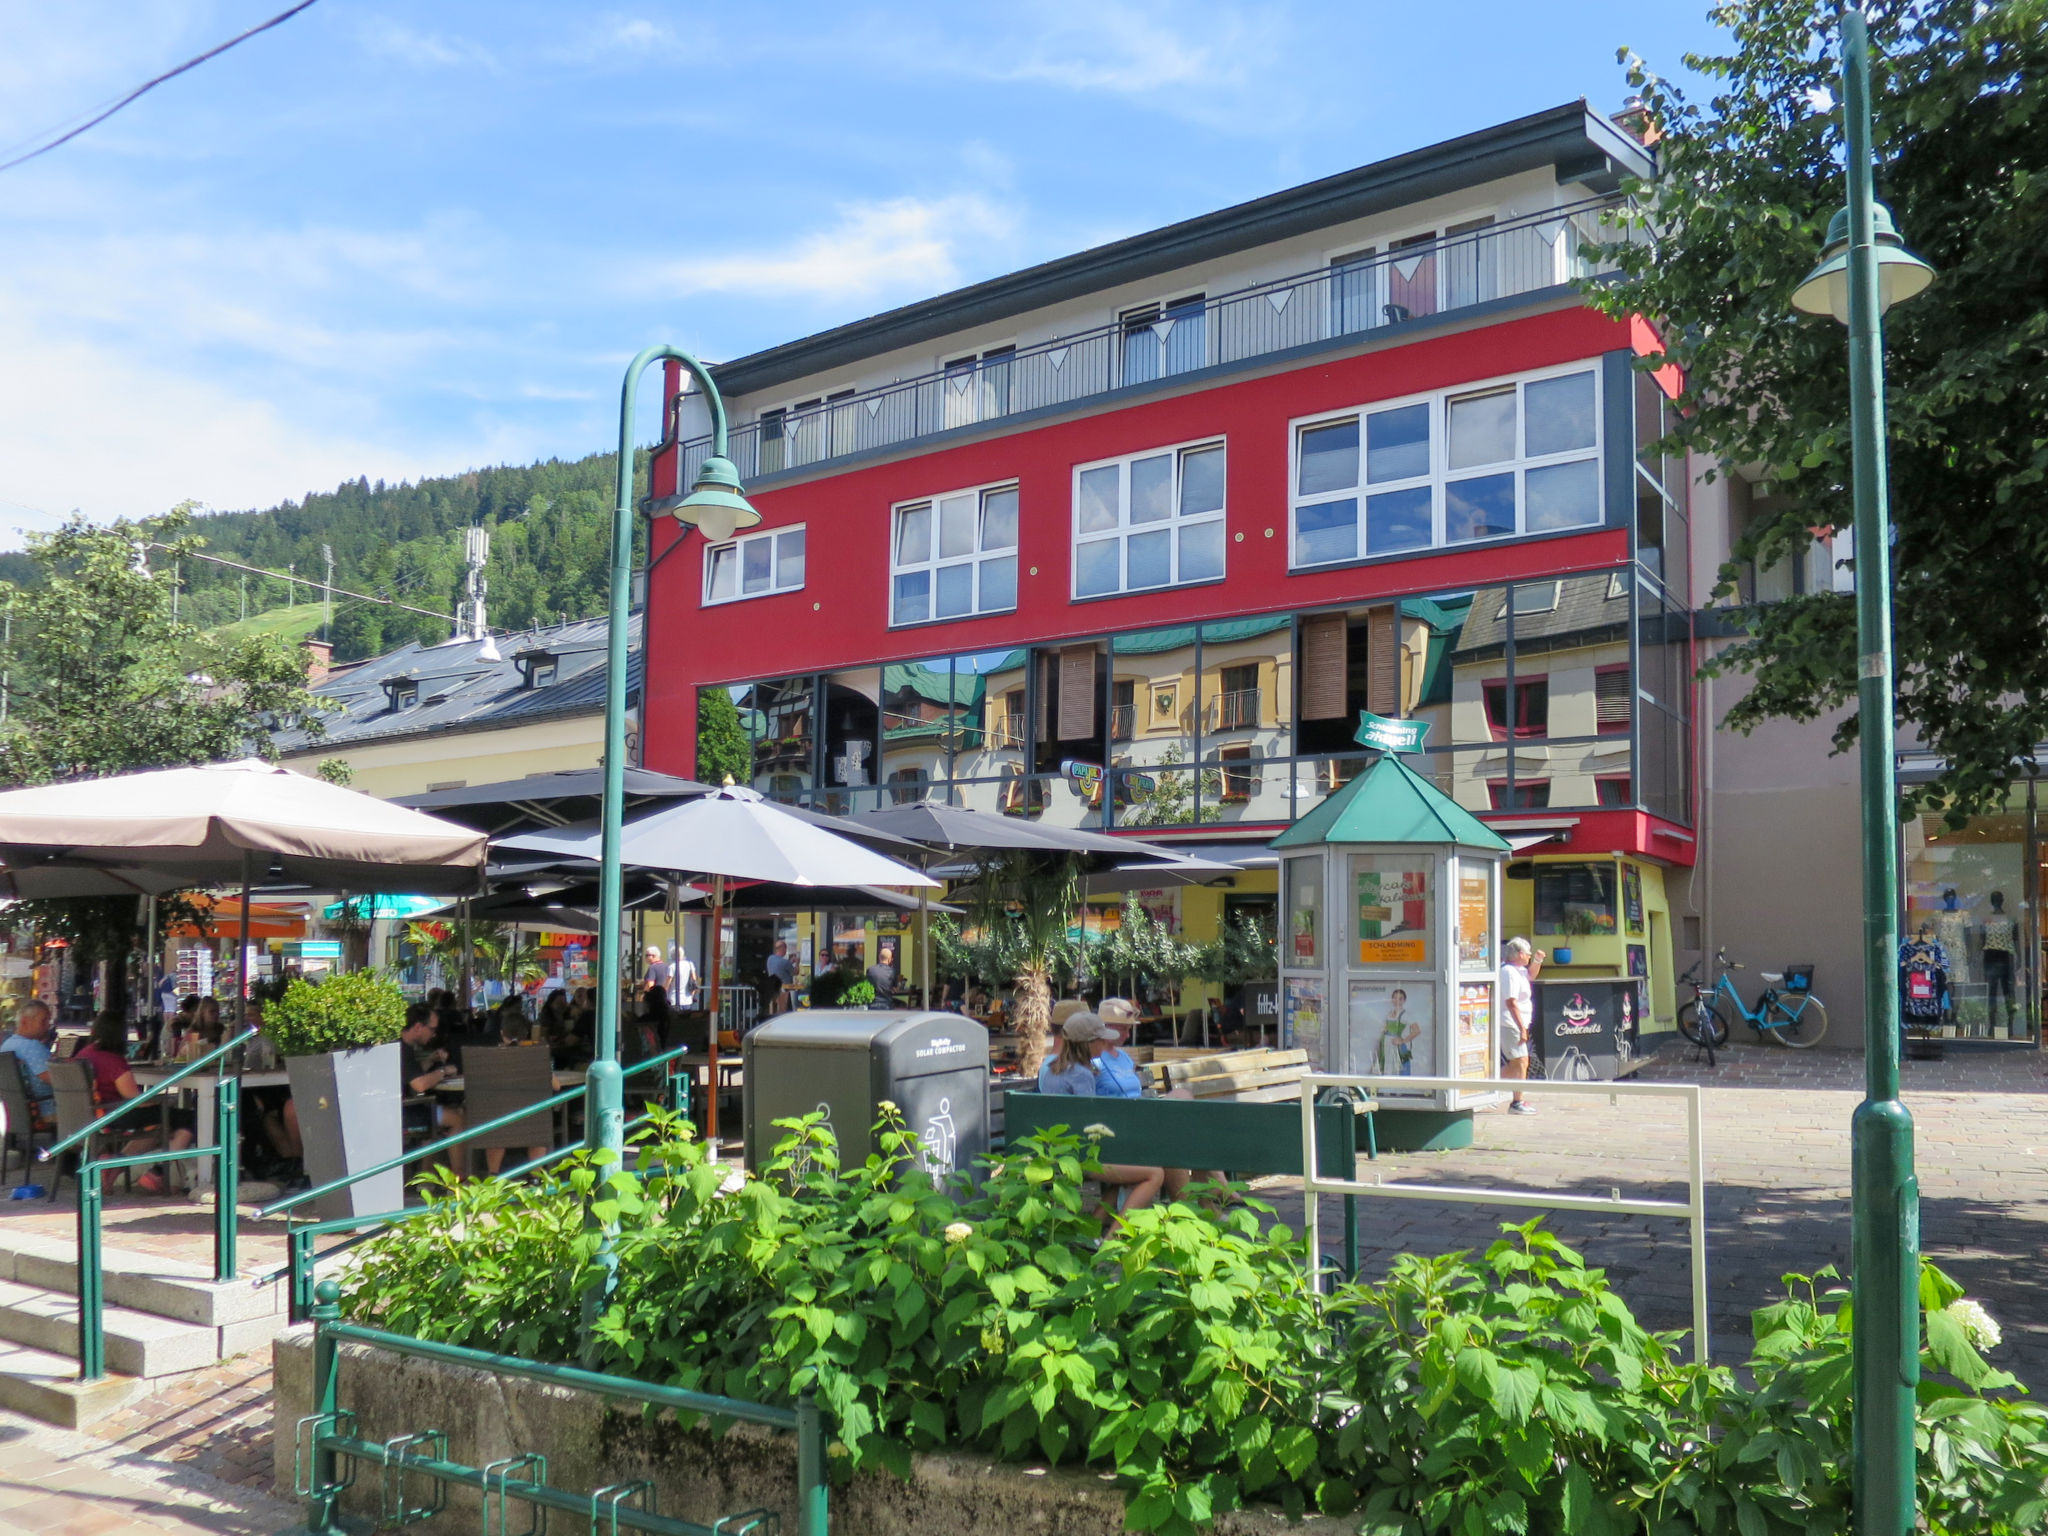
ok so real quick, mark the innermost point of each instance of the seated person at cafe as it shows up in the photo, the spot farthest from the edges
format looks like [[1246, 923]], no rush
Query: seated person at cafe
[[558, 1029], [509, 1025], [1083, 1037], [113, 1084], [31, 1043], [422, 1067]]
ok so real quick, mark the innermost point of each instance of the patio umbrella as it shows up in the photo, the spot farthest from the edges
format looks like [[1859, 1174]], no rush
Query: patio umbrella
[[729, 834], [222, 824], [547, 799]]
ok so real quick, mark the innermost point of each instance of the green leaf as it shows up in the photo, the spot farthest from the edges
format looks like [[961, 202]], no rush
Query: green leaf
[[1515, 1390]]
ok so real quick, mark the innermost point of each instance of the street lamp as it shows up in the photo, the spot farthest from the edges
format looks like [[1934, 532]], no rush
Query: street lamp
[[715, 505], [1863, 271]]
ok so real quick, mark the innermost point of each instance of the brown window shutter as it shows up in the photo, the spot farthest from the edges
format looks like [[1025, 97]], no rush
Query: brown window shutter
[[1077, 692], [1383, 664], [1042, 726], [1323, 667]]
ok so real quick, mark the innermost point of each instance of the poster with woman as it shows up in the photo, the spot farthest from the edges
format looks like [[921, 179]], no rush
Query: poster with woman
[[1393, 1028]]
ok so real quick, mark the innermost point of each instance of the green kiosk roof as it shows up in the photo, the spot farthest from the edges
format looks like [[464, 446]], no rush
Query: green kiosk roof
[[1391, 803]]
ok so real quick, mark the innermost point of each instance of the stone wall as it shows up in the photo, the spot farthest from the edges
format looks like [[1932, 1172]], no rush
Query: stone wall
[[589, 1445]]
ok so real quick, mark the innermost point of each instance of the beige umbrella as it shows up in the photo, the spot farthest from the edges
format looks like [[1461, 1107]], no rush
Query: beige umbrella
[[225, 824]]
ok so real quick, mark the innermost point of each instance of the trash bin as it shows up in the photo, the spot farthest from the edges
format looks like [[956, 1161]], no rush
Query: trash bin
[[932, 1066]]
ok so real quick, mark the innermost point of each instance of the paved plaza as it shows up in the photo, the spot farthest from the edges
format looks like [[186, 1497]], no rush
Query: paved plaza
[[195, 1455]]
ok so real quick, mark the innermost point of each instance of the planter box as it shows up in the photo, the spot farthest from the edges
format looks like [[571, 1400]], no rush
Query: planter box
[[589, 1445], [351, 1117]]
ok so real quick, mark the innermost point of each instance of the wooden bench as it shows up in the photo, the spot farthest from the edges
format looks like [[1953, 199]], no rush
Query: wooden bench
[[1255, 1076], [1244, 1139]]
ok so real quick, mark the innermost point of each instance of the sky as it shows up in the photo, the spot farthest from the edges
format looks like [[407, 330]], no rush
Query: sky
[[396, 239]]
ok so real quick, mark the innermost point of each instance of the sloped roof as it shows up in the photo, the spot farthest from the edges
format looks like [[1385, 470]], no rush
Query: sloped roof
[[1391, 803], [939, 687], [461, 689]]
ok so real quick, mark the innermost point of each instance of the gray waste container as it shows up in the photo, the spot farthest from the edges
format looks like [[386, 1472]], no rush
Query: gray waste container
[[932, 1066]]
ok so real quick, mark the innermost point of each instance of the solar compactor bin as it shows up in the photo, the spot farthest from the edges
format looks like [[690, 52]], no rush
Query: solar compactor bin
[[846, 1063]]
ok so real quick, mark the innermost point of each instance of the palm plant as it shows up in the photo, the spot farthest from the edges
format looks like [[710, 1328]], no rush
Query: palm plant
[[1024, 903]]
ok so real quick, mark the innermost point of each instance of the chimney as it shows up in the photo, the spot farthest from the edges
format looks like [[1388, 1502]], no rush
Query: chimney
[[319, 660]]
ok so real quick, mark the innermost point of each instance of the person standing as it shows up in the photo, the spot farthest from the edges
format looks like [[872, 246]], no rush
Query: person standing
[[657, 972], [1518, 1012], [782, 970], [883, 977]]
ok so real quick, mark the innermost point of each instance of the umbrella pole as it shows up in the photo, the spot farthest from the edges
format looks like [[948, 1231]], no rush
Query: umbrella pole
[[924, 942], [468, 961], [242, 949], [150, 1010], [711, 994]]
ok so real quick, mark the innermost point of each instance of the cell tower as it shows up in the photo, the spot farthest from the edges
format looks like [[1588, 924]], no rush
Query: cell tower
[[478, 548]]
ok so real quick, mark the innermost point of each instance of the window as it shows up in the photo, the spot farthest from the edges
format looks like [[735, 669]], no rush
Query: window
[[1611, 700], [1237, 699], [954, 555], [1354, 292], [977, 386], [1159, 339], [1154, 520], [1240, 773], [1513, 458], [1616, 791], [806, 431], [907, 785], [1531, 711], [1524, 795], [401, 692], [754, 566], [1123, 709]]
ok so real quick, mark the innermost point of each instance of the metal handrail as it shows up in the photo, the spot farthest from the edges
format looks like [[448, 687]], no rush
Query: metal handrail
[[149, 1093], [566, 1096]]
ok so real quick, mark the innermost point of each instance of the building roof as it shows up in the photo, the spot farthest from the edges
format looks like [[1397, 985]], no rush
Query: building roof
[[1390, 803], [948, 688], [459, 688], [1581, 610], [1581, 144]]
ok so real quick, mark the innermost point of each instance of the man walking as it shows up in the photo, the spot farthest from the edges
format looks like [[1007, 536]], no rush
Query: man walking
[[1517, 1010]]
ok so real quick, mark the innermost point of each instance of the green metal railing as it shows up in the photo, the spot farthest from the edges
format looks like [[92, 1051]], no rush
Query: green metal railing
[[227, 1117], [300, 1240], [327, 1436]]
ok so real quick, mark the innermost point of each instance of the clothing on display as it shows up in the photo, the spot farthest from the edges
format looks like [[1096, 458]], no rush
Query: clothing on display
[[1923, 981]]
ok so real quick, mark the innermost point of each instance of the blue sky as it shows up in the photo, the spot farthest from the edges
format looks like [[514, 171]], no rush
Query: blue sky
[[395, 239]]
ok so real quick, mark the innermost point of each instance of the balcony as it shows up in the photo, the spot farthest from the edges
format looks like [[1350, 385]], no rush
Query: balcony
[[1327, 304], [1123, 719], [1237, 710]]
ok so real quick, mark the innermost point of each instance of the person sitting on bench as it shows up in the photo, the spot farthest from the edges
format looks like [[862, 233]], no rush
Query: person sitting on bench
[[1116, 1077], [1083, 1037]]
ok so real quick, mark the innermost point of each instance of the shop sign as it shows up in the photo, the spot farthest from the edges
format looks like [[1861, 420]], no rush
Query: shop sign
[[1384, 735]]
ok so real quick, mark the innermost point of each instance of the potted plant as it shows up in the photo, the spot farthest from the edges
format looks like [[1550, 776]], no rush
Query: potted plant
[[339, 1040]]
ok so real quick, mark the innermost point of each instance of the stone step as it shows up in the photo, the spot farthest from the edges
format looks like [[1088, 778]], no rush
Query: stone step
[[46, 1386], [146, 1282], [138, 1343]]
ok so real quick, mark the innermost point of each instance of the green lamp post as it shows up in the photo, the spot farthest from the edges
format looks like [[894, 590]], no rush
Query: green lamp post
[[1864, 270], [716, 506]]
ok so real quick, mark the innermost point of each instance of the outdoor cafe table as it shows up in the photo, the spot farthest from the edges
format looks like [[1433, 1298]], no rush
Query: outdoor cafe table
[[201, 1084]]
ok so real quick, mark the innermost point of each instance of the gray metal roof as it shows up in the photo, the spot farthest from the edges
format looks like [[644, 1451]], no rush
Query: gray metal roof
[[459, 689], [1581, 144]]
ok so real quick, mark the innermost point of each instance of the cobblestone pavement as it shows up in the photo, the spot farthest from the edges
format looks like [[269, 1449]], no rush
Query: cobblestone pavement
[[1777, 1148]]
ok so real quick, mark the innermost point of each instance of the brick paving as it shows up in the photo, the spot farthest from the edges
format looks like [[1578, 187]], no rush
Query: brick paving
[[1777, 1147]]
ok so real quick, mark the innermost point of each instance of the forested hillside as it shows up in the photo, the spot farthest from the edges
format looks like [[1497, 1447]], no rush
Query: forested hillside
[[550, 536]]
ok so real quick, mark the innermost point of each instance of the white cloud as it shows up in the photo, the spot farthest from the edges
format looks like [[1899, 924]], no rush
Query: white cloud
[[902, 244], [422, 50]]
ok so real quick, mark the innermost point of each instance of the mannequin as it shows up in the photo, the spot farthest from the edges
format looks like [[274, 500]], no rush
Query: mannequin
[[2001, 959]]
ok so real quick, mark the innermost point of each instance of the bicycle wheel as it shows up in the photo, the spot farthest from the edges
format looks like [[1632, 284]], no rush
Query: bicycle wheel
[[1799, 1025], [1702, 1024]]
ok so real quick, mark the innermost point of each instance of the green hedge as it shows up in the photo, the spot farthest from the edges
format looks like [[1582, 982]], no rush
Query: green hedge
[[1512, 1392]]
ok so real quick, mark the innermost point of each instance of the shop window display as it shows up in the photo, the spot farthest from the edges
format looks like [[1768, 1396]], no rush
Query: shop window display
[[1968, 889]]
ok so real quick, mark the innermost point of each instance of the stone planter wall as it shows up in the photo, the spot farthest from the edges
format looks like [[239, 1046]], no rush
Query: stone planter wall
[[589, 1444]]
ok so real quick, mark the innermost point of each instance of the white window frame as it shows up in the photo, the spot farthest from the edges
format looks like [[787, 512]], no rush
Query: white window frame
[[935, 563], [1440, 475], [737, 548], [1172, 523]]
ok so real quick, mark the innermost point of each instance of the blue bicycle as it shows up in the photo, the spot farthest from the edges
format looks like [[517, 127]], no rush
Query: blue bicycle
[[1789, 1014]]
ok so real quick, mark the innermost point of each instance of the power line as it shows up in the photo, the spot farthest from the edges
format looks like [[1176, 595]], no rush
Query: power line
[[150, 85], [366, 597]]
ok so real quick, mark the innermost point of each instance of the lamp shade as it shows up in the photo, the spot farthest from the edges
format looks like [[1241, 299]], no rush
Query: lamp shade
[[714, 504], [1900, 274]]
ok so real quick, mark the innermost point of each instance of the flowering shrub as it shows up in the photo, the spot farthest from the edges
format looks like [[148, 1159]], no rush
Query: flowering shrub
[[1184, 1351]]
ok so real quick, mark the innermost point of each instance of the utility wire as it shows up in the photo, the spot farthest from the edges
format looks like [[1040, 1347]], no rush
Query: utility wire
[[150, 85]]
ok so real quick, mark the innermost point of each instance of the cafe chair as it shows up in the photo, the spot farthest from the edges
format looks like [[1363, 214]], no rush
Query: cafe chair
[[71, 1084], [20, 1105], [499, 1080]]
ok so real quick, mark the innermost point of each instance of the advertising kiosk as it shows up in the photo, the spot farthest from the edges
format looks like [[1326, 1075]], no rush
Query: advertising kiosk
[[1389, 961]]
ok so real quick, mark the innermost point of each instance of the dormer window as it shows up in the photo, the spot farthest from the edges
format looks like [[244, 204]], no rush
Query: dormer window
[[537, 668], [401, 693]]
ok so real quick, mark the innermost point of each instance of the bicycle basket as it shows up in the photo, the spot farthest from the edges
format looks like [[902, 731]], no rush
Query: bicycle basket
[[1799, 976]]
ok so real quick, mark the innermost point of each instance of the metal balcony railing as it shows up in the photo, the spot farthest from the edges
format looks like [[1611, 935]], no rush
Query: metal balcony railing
[[1122, 719], [1524, 255], [1237, 710]]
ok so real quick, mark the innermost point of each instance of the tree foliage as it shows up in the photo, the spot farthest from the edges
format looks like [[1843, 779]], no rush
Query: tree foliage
[[1747, 182], [723, 750]]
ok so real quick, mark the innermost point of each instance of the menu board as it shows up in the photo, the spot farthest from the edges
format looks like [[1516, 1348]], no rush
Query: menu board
[[1475, 917], [1475, 1029], [1391, 893], [1302, 1019]]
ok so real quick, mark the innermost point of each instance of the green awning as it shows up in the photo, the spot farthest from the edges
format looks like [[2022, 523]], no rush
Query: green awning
[[1391, 803]]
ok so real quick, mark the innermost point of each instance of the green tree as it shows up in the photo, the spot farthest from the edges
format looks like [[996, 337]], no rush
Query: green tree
[[723, 750], [1025, 902], [1747, 182], [102, 678]]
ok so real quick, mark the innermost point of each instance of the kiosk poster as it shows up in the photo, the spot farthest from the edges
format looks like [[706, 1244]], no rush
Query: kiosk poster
[[1475, 1029], [1393, 910], [1393, 1028], [1475, 918], [1302, 1019], [1632, 899]]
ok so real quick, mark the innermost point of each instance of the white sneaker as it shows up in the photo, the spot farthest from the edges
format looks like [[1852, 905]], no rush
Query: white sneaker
[[1521, 1107]]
